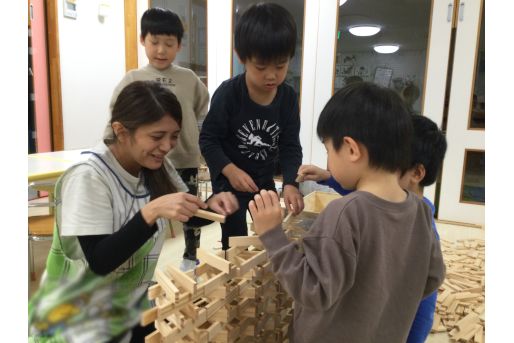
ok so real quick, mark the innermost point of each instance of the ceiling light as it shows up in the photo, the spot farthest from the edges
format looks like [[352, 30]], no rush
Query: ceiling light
[[364, 30], [386, 49], [341, 2]]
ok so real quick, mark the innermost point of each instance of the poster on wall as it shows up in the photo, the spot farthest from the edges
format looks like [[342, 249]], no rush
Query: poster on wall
[[383, 76], [70, 9], [348, 65]]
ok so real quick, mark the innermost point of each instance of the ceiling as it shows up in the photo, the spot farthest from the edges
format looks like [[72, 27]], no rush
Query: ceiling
[[403, 22]]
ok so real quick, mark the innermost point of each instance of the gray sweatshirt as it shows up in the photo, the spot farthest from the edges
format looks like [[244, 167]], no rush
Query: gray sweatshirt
[[194, 100], [366, 265]]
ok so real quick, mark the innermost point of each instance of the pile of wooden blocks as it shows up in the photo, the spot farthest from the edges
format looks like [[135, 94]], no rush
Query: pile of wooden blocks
[[460, 303], [234, 298]]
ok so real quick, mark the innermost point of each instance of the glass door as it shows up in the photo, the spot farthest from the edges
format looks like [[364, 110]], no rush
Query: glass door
[[193, 14], [462, 196], [384, 42]]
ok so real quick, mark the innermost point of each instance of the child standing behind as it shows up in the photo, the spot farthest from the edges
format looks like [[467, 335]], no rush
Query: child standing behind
[[161, 35], [372, 256], [254, 117]]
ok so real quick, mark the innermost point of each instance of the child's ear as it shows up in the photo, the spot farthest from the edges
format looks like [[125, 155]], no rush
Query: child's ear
[[142, 40], [419, 173], [120, 132], [353, 147]]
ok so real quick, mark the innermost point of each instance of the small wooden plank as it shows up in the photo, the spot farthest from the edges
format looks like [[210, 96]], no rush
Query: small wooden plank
[[244, 241], [253, 262], [166, 284], [154, 337], [467, 321], [214, 260], [148, 316], [154, 291], [183, 279], [210, 216]]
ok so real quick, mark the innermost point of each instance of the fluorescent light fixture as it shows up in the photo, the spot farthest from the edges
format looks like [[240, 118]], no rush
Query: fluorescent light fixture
[[364, 30], [341, 2], [386, 49]]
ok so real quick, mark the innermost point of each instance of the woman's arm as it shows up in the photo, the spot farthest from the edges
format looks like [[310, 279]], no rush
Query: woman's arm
[[105, 253]]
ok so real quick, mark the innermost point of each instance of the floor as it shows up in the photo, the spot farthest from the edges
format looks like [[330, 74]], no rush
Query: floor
[[211, 234]]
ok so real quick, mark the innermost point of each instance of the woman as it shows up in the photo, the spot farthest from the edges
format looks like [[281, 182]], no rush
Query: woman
[[109, 225]]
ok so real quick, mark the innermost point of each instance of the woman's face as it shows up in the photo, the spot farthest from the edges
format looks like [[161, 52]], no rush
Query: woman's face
[[150, 143]]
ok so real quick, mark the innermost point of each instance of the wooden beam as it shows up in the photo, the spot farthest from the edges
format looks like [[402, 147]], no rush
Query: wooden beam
[[54, 72], [131, 39]]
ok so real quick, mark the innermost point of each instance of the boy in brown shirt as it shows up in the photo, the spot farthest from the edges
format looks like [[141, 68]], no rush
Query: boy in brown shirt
[[372, 256]]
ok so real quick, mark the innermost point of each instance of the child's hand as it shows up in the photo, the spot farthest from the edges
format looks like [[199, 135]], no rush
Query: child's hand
[[266, 211], [293, 199], [223, 203], [239, 179], [313, 173]]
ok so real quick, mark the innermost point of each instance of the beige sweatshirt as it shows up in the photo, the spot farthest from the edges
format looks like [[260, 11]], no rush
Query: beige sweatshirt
[[366, 265], [194, 100]]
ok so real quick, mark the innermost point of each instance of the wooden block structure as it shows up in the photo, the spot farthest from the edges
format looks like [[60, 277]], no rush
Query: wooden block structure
[[229, 297], [460, 306]]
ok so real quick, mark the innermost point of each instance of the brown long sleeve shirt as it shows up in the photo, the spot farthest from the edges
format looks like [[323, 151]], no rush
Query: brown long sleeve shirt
[[366, 265]]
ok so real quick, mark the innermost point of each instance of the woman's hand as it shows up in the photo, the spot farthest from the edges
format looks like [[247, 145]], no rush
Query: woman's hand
[[266, 211], [223, 203], [177, 206], [310, 172], [293, 199]]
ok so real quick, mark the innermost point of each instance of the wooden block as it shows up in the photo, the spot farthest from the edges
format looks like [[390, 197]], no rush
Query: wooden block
[[182, 278], [468, 321], [154, 337], [154, 291], [449, 300], [442, 296], [244, 241], [479, 335], [148, 316], [214, 260], [209, 330], [166, 284], [230, 288], [165, 307], [252, 262], [210, 216]]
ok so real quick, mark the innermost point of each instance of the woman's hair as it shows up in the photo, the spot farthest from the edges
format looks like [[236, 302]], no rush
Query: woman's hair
[[142, 103]]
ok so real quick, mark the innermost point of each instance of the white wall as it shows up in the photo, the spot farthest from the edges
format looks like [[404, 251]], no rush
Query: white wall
[[219, 39], [92, 56]]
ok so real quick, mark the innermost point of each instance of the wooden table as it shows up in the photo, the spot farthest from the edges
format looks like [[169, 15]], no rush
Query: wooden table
[[50, 165]]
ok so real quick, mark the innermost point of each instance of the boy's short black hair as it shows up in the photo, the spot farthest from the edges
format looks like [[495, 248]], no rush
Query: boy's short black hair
[[374, 116], [161, 21], [265, 31], [428, 148]]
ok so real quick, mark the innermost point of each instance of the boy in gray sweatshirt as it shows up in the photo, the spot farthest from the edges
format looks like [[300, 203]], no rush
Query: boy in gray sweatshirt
[[161, 35], [372, 256]]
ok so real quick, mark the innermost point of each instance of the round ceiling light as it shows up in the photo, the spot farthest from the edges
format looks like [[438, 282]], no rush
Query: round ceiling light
[[386, 49], [364, 30]]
